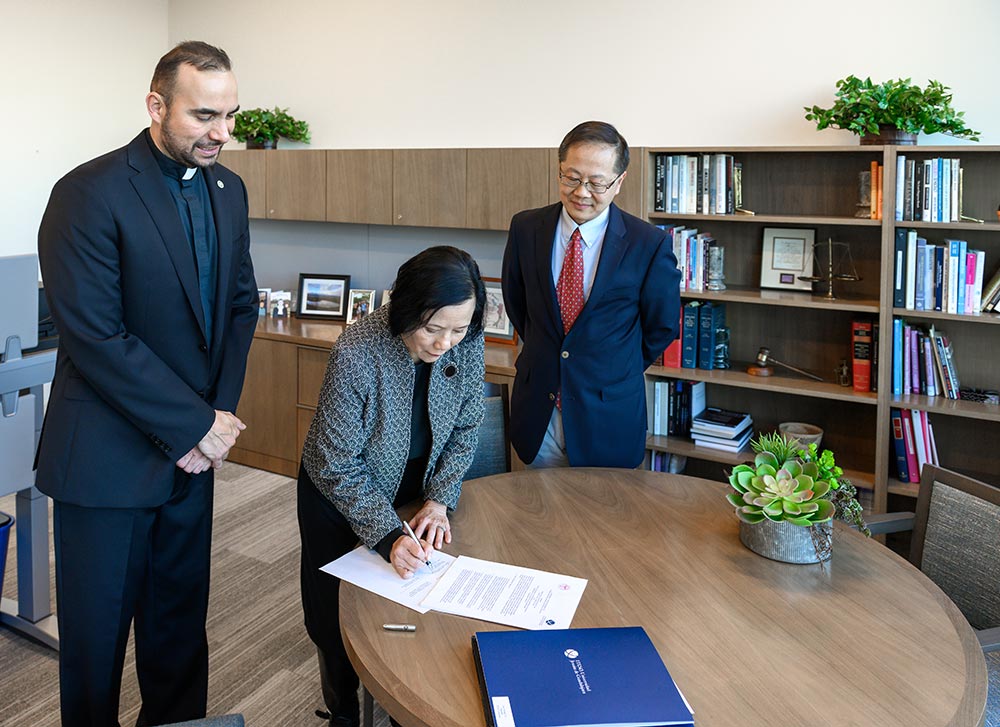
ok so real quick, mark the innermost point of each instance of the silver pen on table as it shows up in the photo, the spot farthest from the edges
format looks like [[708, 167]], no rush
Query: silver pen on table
[[399, 627], [409, 531]]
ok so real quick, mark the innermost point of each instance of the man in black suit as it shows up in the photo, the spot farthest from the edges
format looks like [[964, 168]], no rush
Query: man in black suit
[[145, 255], [594, 294]]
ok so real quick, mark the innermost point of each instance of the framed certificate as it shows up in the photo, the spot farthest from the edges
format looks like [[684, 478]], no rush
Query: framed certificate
[[787, 254]]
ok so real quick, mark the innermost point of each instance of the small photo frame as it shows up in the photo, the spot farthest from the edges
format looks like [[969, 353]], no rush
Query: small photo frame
[[360, 304], [386, 295], [323, 296], [279, 303], [264, 299], [787, 254], [496, 325]]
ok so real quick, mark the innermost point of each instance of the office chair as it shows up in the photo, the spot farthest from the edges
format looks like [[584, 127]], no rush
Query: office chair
[[493, 450], [956, 543], [227, 720]]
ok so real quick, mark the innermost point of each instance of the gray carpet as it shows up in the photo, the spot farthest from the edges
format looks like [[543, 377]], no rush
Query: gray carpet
[[262, 664]]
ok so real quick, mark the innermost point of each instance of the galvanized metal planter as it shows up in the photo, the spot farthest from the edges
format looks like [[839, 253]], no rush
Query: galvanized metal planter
[[788, 543]]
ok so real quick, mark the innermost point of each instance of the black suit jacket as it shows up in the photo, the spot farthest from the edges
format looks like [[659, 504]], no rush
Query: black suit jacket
[[631, 315], [136, 381]]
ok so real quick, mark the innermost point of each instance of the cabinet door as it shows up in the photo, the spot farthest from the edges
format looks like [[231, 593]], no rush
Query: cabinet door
[[428, 187], [631, 198], [267, 406], [502, 182], [359, 186], [296, 185], [251, 165]]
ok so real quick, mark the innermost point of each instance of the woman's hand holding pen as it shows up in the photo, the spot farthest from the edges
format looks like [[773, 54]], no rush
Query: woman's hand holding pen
[[431, 523], [408, 555]]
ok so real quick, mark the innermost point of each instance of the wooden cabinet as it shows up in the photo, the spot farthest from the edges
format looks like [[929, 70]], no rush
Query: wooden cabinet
[[429, 187], [251, 165], [296, 184], [502, 182], [359, 186]]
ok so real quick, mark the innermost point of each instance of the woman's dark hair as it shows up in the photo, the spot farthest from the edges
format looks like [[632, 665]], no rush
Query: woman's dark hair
[[597, 132], [431, 280]]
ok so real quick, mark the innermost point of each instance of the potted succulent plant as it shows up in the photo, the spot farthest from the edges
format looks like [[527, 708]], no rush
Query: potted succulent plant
[[787, 499], [260, 128], [892, 112]]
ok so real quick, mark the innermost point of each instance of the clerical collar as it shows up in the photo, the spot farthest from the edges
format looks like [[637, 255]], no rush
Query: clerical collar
[[170, 167]]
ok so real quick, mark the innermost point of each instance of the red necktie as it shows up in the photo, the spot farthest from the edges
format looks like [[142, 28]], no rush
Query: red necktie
[[569, 289]]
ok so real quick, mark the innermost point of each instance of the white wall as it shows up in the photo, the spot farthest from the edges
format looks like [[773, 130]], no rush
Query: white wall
[[455, 73], [73, 79]]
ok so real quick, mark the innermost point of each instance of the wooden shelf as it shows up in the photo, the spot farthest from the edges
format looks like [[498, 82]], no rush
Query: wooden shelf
[[687, 448], [867, 150], [786, 299], [772, 219], [913, 224], [948, 407], [937, 315], [906, 489], [738, 377]]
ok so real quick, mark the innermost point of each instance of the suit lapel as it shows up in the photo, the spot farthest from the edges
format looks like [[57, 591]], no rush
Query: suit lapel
[[545, 235], [152, 190], [224, 233], [612, 252]]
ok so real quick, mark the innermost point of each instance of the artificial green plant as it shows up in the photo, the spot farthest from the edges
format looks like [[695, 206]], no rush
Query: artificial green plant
[[267, 125]]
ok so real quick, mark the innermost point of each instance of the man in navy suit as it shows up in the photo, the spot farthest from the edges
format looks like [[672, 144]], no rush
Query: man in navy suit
[[594, 294], [145, 255]]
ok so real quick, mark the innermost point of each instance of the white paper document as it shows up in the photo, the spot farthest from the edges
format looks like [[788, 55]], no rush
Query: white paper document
[[366, 569], [506, 594]]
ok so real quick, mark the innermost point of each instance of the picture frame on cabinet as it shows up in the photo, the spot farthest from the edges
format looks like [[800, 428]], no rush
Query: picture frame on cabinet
[[386, 295], [323, 296], [787, 253], [279, 303], [263, 300], [497, 326], [359, 305]]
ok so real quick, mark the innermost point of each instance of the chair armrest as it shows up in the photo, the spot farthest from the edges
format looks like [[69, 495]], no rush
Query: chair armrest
[[989, 639], [890, 522]]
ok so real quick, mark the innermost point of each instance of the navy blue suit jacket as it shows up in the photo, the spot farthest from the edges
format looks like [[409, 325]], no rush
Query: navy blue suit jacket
[[136, 381], [630, 317]]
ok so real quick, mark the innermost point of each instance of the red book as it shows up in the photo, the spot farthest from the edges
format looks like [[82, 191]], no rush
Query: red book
[[672, 353], [861, 338]]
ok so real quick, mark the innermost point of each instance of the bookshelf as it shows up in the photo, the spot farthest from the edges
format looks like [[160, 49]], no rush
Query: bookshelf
[[817, 188]]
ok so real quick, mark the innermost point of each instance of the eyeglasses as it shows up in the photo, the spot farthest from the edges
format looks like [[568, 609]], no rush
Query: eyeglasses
[[592, 187]]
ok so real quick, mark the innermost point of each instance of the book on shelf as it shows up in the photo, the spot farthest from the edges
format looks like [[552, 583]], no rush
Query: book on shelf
[[736, 444], [695, 184], [913, 443], [712, 317], [861, 341], [931, 189], [689, 335], [911, 452], [899, 445], [573, 677], [675, 404], [923, 362], [721, 422], [875, 338], [991, 292], [899, 270]]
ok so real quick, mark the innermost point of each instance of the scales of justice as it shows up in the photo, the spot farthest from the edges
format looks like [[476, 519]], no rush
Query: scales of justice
[[833, 261]]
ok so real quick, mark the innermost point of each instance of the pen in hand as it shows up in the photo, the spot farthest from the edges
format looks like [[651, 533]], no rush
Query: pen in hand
[[409, 531]]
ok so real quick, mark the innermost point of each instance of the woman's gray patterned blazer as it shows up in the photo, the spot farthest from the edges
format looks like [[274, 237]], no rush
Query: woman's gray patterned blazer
[[359, 440]]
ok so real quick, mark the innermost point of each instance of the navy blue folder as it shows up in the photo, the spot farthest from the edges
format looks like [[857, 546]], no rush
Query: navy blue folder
[[576, 678]]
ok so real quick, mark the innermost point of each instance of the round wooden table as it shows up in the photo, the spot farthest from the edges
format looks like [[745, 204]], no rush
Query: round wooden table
[[865, 640]]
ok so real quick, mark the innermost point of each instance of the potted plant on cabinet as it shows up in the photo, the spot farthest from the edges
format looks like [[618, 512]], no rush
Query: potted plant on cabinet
[[787, 499], [260, 128], [892, 112]]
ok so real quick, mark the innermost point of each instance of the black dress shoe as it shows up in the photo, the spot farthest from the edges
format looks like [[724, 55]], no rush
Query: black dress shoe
[[338, 720]]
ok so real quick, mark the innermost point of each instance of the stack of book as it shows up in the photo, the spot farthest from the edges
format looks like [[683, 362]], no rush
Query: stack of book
[[691, 251], [702, 324], [696, 184], [675, 404], [923, 362], [947, 277], [913, 439], [928, 190], [722, 429]]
